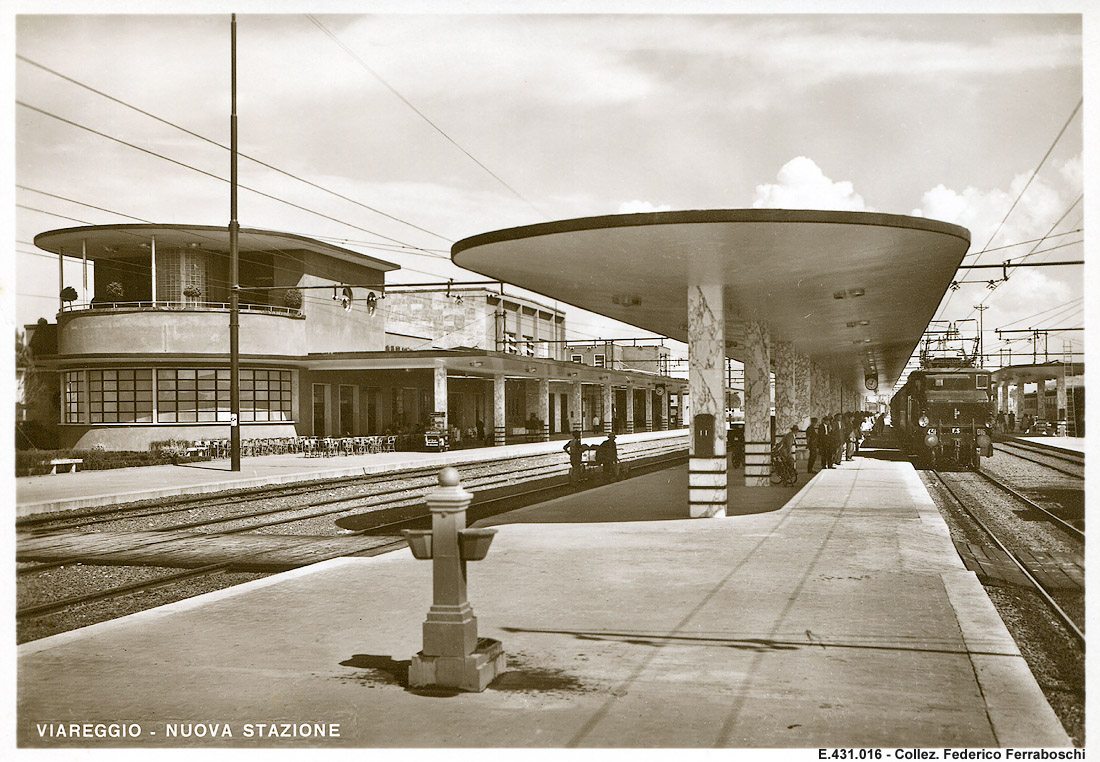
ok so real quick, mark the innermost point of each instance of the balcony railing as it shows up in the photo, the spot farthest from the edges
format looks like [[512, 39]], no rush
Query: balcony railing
[[267, 309]]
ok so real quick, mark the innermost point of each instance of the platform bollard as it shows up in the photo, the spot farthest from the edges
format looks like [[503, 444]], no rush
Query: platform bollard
[[453, 655]]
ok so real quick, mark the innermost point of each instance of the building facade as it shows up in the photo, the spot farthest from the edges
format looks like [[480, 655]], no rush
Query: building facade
[[325, 349]]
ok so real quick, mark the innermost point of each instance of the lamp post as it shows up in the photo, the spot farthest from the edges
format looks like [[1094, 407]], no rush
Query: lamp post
[[235, 286]]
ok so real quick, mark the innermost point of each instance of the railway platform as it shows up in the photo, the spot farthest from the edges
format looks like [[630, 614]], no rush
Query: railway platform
[[86, 489], [842, 618]]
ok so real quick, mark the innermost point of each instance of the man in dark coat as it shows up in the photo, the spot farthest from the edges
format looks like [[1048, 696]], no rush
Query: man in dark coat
[[812, 445]]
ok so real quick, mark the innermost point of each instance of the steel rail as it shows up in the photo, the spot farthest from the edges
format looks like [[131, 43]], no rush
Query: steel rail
[[211, 569], [1043, 593], [380, 505], [1032, 504]]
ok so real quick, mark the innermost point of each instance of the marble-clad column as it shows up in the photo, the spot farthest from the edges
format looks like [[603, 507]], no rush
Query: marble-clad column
[[1017, 399], [608, 406], [575, 407], [1060, 390], [786, 394], [544, 408], [706, 384], [803, 387], [758, 457], [629, 409], [648, 409], [1041, 399], [440, 393], [500, 428]]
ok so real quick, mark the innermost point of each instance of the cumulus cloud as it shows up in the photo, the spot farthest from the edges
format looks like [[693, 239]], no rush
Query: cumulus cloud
[[640, 207], [802, 185]]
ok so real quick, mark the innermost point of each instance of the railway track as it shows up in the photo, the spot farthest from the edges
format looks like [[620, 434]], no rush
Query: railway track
[[1029, 550], [1057, 459], [381, 536]]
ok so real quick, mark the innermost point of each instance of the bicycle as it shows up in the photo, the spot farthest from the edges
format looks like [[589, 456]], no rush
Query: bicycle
[[783, 470]]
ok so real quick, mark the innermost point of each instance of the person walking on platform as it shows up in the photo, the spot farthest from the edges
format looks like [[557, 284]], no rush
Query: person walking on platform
[[812, 445], [825, 441]]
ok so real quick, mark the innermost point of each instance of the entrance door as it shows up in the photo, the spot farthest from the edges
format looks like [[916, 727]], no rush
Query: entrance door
[[320, 410], [347, 411]]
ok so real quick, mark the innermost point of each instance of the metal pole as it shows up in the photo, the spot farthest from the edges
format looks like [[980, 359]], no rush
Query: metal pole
[[234, 295], [981, 345]]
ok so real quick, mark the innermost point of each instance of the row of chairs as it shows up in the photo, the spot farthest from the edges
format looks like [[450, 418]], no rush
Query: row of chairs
[[330, 446]]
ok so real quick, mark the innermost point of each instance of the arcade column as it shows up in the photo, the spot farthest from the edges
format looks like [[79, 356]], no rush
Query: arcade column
[[648, 409], [500, 428], [544, 408], [802, 387], [1017, 405], [608, 396], [575, 407], [629, 409], [786, 392], [758, 454], [1041, 399], [1060, 387], [707, 385], [440, 393]]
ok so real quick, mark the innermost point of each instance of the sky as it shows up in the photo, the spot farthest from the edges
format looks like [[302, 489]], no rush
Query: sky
[[456, 125]]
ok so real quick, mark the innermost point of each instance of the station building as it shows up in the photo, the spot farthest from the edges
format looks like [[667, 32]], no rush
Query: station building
[[325, 349], [1060, 404]]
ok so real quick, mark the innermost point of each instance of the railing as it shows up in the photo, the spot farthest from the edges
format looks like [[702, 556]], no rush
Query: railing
[[178, 306]]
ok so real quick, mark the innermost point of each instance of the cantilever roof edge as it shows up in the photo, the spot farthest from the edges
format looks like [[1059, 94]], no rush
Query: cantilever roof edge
[[688, 216], [56, 240]]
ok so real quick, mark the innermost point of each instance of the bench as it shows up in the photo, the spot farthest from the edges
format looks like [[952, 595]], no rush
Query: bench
[[67, 465], [197, 451]]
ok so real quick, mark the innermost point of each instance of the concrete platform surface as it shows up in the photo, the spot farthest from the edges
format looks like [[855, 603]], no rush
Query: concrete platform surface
[[83, 489], [1066, 443], [843, 619]]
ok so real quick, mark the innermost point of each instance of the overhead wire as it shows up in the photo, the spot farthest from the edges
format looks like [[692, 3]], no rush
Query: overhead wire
[[227, 148], [418, 112]]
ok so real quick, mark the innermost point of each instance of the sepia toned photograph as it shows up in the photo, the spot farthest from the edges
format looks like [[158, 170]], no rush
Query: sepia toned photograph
[[398, 376]]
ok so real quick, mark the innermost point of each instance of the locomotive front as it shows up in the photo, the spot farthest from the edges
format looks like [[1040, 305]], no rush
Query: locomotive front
[[948, 417]]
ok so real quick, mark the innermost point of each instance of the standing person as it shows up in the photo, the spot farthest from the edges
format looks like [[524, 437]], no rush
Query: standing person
[[1011, 421], [576, 449], [812, 445], [825, 441], [839, 440], [1001, 421], [607, 455]]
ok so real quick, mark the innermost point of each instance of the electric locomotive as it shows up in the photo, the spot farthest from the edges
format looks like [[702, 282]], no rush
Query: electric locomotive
[[942, 415]]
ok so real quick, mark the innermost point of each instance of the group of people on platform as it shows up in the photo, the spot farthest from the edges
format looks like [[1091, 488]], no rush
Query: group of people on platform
[[836, 438], [1005, 422], [607, 455]]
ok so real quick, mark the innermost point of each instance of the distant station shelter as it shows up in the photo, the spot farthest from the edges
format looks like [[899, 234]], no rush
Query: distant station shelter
[[833, 302], [326, 349], [1055, 401]]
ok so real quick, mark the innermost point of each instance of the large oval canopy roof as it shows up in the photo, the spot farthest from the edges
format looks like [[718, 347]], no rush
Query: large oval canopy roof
[[854, 291]]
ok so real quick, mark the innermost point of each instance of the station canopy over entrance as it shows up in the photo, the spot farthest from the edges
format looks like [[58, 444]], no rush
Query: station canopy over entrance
[[853, 291]]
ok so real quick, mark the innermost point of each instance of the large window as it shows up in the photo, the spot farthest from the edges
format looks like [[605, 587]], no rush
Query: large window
[[183, 395], [120, 396], [74, 396], [201, 395]]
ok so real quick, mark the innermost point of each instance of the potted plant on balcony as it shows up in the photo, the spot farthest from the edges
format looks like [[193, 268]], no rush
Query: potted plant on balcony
[[114, 291], [68, 294], [293, 298]]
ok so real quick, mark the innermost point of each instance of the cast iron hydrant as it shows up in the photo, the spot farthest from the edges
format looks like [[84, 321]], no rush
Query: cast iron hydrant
[[453, 655]]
